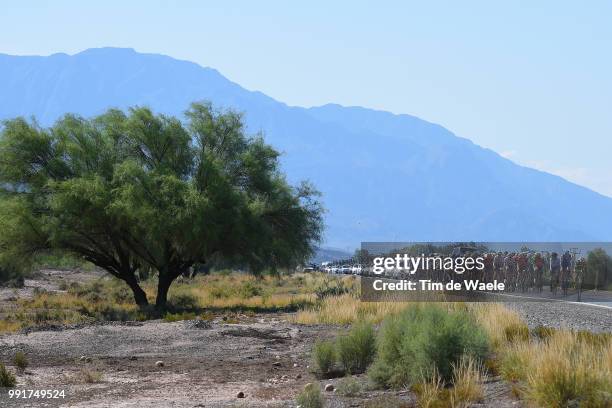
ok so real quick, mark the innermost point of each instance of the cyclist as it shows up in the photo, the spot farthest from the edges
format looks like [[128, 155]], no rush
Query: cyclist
[[555, 270]]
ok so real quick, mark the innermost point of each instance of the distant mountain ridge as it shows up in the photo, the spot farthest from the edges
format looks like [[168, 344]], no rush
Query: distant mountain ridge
[[384, 177]]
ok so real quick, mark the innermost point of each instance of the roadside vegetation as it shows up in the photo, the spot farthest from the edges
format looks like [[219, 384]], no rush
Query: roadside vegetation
[[444, 352]]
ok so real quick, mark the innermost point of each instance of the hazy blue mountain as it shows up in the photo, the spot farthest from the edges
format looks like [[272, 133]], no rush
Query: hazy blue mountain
[[383, 176]]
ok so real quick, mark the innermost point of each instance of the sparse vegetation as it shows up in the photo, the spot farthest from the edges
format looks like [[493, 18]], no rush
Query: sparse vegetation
[[20, 360], [7, 379], [348, 387], [109, 299], [310, 397], [89, 376]]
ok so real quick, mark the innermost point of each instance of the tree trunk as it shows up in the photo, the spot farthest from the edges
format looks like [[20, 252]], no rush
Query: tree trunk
[[162, 291], [140, 297]]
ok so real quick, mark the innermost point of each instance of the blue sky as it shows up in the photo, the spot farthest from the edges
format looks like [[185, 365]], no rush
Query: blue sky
[[531, 80]]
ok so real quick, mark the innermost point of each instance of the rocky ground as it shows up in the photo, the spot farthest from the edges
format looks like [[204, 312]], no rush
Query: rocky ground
[[264, 359], [204, 365]]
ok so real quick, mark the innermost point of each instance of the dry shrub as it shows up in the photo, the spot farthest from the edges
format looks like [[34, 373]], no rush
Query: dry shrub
[[90, 376], [431, 393], [468, 378], [7, 379], [566, 369], [503, 325], [346, 309], [20, 360]]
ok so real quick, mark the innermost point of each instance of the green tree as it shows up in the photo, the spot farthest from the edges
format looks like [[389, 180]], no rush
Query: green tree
[[599, 269], [135, 190]]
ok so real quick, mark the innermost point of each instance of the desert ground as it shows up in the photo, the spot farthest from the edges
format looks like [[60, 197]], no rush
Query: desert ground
[[250, 360]]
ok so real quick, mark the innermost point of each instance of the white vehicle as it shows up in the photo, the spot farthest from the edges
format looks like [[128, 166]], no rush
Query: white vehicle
[[345, 269], [334, 269], [356, 269]]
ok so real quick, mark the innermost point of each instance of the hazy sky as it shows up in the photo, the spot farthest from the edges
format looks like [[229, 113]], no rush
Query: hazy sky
[[531, 80]]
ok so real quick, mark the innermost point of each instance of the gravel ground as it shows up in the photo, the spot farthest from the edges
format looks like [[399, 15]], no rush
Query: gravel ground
[[565, 315], [204, 365]]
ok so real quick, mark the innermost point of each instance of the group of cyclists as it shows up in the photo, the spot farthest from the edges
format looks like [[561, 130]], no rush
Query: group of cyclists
[[525, 271]]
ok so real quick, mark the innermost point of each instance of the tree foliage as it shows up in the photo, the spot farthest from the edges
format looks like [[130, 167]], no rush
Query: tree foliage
[[599, 269], [136, 190]]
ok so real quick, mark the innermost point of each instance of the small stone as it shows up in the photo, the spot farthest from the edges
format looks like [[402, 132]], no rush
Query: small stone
[[284, 377], [133, 358], [276, 364], [297, 377], [240, 395], [295, 365], [329, 387], [85, 359], [159, 363]]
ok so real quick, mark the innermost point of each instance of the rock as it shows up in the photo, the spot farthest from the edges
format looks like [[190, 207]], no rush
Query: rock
[[295, 365], [240, 395], [297, 377], [133, 358], [159, 363], [276, 364], [85, 359], [284, 377], [329, 387]]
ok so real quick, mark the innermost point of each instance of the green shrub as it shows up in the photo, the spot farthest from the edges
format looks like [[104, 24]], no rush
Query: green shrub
[[249, 290], [176, 317], [20, 360], [184, 301], [425, 340], [122, 294], [330, 288], [356, 349], [324, 357], [220, 292], [348, 387], [311, 397], [7, 379]]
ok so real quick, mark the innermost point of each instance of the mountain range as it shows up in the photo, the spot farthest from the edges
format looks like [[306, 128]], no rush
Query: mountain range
[[384, 177]]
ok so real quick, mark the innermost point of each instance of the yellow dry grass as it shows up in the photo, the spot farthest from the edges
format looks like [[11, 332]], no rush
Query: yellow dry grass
[[565, 369], [346, 309], [468, 377]]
